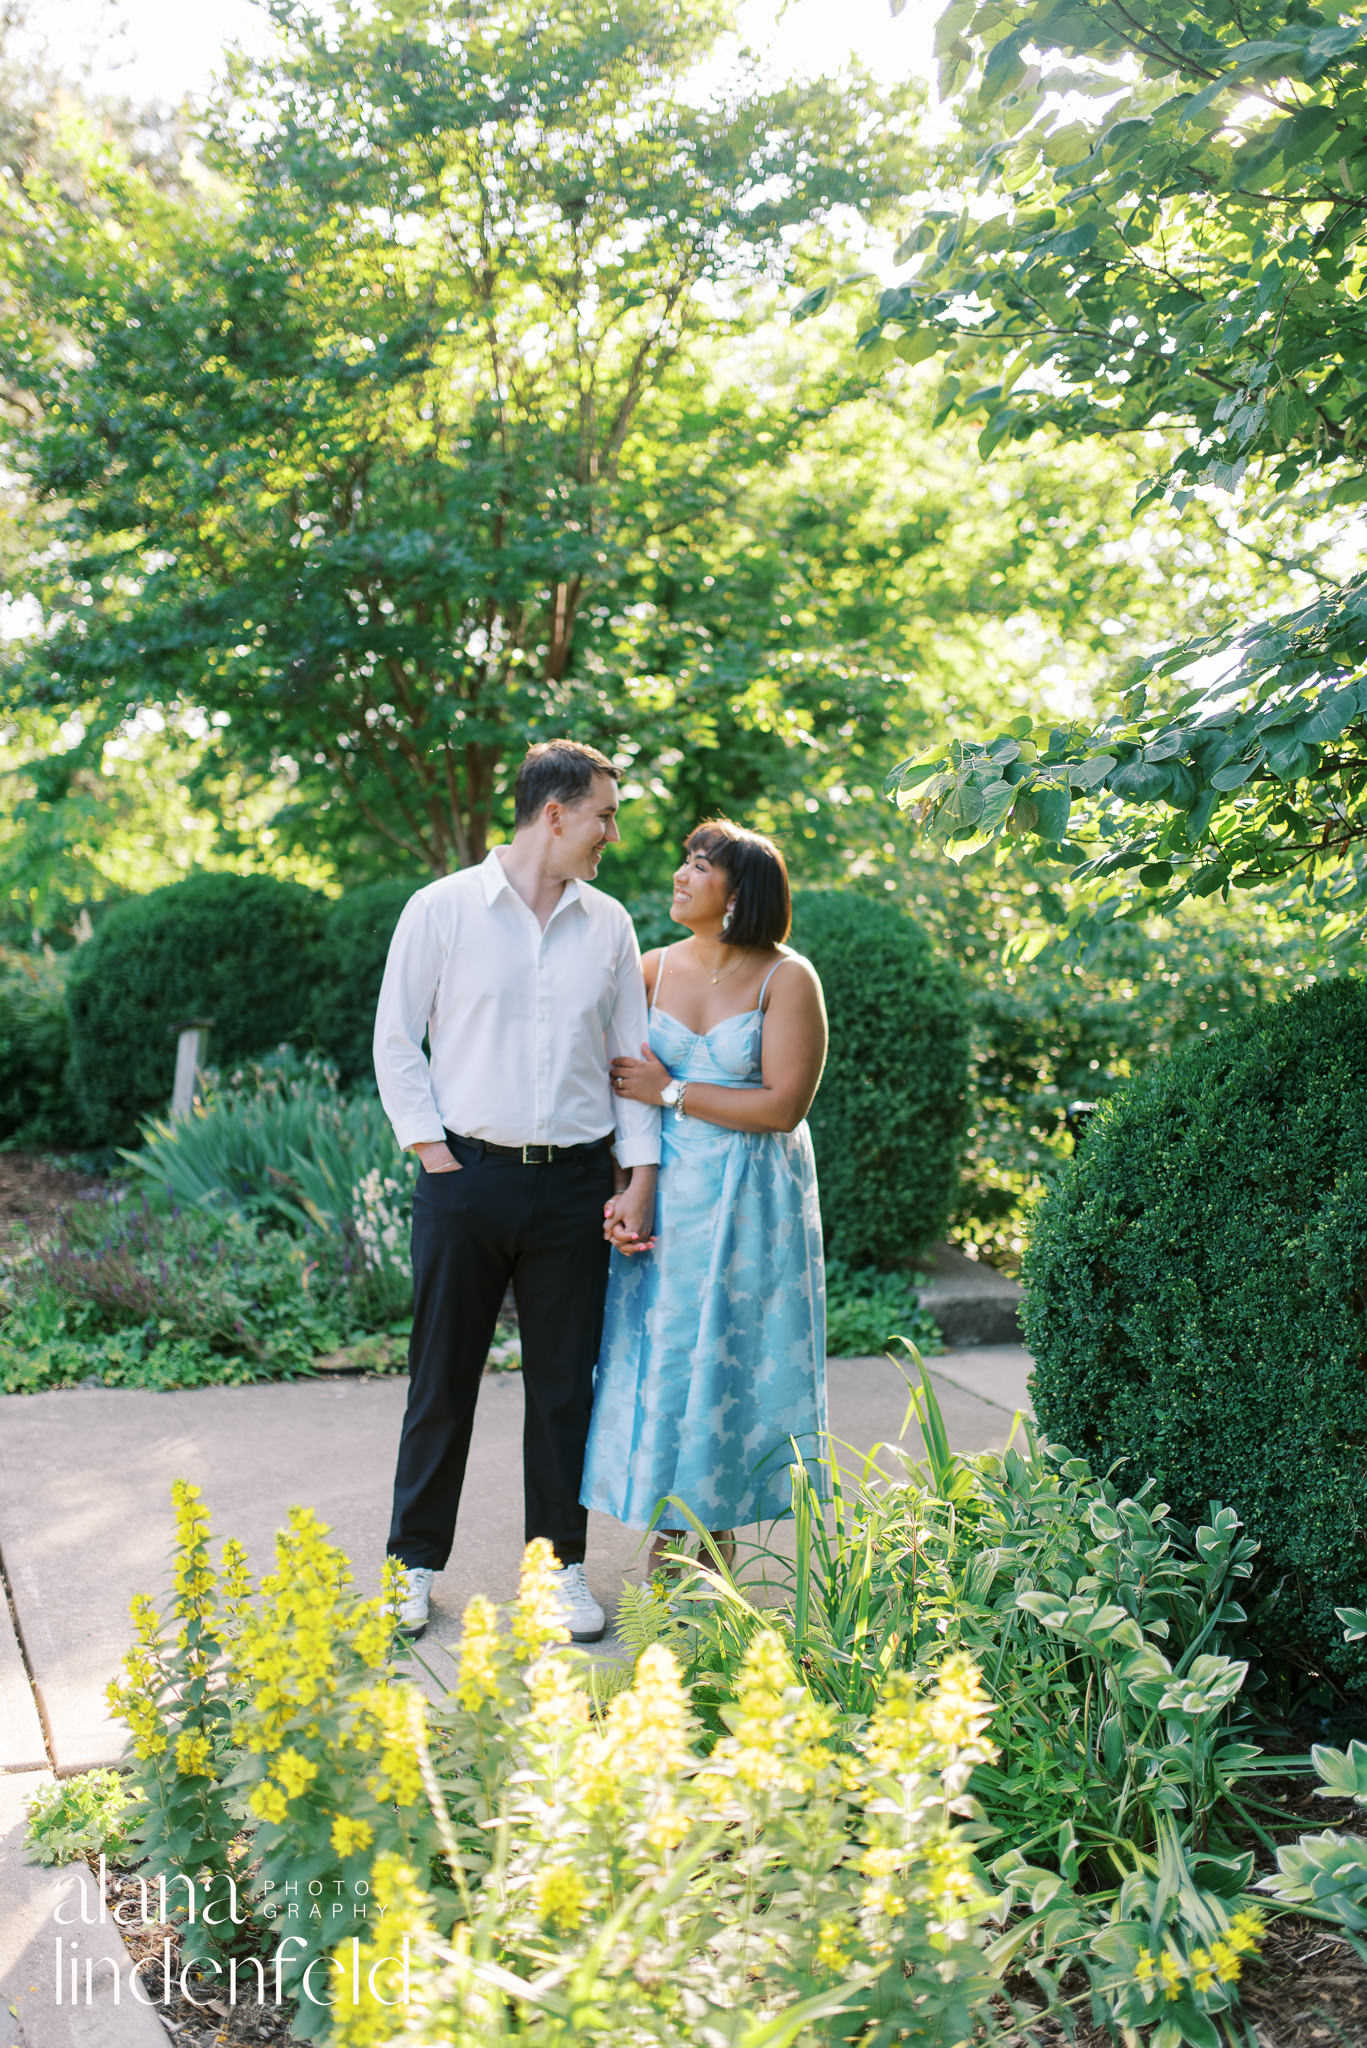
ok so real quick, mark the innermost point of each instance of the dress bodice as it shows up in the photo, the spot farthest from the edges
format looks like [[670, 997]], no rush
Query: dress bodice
[[727, 1056]]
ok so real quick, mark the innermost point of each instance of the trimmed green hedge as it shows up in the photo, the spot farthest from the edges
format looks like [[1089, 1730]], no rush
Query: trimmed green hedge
[[348, 971], [35, 1047], [889, 1119], [238, 949], [1196, 1298]]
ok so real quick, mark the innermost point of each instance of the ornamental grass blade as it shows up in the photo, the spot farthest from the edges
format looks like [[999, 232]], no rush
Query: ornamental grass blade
[[785, 2027]]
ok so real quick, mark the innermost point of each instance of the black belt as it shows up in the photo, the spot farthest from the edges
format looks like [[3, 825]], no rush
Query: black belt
[[529, 1155]]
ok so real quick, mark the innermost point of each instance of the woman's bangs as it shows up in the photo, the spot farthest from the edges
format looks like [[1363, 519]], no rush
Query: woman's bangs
[[712, 842]]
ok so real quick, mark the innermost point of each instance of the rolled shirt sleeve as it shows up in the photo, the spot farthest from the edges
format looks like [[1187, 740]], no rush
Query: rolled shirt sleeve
[[636, 1139], [412, 971]]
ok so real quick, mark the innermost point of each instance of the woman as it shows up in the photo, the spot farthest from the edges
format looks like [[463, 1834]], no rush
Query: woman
[[713, 1356]]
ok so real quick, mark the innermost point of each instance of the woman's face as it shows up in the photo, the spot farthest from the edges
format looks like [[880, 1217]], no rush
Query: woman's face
[[702, 891]]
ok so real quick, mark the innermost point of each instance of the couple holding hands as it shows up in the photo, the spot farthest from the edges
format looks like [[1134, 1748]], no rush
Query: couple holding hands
[[623, 1140]]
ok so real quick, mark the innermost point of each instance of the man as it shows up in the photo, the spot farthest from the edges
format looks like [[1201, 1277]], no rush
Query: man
[[526, 982]]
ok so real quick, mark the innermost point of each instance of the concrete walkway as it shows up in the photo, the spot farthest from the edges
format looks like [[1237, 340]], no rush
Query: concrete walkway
[[85, 1522]]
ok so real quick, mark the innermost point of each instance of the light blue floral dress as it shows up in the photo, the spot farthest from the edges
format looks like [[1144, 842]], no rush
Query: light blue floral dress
[[714, 1344]]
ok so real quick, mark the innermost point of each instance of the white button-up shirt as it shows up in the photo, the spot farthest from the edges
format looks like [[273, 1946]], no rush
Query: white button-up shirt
[[521, 1023]]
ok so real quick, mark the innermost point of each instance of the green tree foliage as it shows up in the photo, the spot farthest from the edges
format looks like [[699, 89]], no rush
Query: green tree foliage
[[232, 949], [880, 583], [358, 450], [1194, 1300], [1191, 256], [889, 1117]]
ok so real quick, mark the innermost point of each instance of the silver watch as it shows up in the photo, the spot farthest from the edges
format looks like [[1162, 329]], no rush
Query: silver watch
[[671, 1095]]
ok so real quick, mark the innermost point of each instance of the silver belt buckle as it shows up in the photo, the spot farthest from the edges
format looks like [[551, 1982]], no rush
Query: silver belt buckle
[[536, 1148]]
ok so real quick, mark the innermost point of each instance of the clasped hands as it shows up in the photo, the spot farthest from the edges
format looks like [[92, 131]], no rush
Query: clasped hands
[[628, 1215]]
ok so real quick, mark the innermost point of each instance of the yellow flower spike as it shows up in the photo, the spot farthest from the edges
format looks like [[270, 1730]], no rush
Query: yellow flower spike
[[560, 1705], [766, 1668], [478, 1678], [1246, 1930], [397, 1778], [668, 1828], [294, 1773], [646, 1727], [559, 1893], [268, 1802], [831, 1953], [598, 1780], [959, 1709], [194, 1754], [1226, 1960], [1203, 1970], [536, 1612], [374, 2019], [374, 1635], [350, 1835], [1170, 1974], [1143, 1969]]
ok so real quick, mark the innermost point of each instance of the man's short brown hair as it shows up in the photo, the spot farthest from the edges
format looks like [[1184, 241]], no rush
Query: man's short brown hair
[[556, 771]]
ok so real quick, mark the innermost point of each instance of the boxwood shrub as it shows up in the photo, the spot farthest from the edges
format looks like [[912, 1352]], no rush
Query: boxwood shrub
[[889, 1119], [238, 949], [348, 971], [35, 1044], [1196, 1298]]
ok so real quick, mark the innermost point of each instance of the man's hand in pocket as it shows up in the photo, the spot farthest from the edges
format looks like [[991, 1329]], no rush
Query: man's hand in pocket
[[437, 1157]]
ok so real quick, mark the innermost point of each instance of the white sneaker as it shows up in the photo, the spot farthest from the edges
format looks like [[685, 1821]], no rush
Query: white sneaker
[[415, 1588], [579, 1611]]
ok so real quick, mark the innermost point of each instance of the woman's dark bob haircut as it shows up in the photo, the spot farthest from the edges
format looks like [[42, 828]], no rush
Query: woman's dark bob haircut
[[763, 912]]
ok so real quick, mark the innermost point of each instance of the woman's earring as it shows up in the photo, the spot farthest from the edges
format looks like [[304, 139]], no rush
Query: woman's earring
[[726, 921]]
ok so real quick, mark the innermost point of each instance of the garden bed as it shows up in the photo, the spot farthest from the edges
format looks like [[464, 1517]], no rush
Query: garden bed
[[34, 1189], [1307, 1988]]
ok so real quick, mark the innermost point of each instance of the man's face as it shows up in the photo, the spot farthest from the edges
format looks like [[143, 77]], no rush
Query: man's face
[[586, 827]]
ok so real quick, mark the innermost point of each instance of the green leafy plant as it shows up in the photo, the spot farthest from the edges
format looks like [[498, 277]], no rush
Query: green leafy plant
[[94, 1813], [866, 1310], [128, 1296], [555, 1869], [276, 1138], [172, 1698], [1194, 1305], [259, 1233], [752, 1836], [890, 1115]]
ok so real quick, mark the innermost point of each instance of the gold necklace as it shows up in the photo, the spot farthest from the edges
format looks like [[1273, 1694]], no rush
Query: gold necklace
[[722, 972]]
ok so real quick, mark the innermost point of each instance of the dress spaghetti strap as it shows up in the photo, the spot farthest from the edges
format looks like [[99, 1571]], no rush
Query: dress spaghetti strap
[[659, 975], [759, 999]]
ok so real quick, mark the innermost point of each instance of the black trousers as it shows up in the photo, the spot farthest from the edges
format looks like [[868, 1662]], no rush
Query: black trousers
[[542, 1228]]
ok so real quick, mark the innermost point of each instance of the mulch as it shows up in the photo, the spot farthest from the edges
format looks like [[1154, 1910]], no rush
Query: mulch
[[33, 1190], [213, 2022]]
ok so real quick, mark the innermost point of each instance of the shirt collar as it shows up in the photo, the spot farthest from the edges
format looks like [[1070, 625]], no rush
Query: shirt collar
[[496, 881]]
